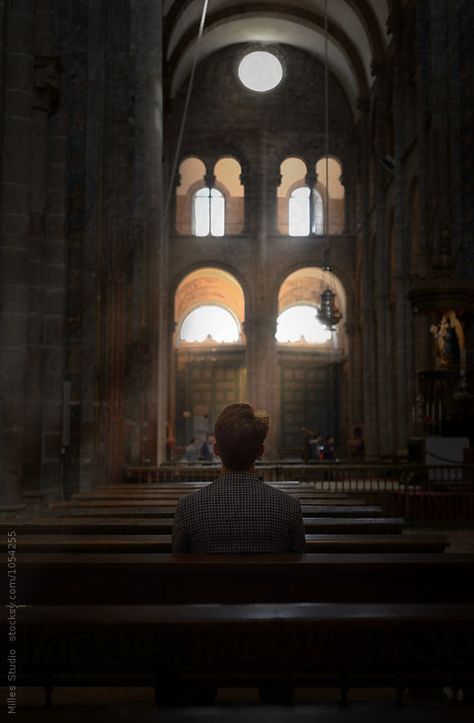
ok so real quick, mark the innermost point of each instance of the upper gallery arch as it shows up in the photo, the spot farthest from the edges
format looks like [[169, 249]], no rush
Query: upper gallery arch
[[356, 30]]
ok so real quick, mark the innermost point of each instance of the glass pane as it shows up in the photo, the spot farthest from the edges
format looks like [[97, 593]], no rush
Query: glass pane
[[300, 323], [217, 213], [298, 212], [318, 214], [260, 71], [210, 323], [201, 212]]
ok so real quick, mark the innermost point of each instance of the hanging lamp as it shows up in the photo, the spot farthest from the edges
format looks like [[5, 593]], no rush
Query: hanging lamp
[[328, 313]]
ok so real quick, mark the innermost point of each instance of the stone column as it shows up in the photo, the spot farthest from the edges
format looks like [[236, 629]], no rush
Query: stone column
[[114, 195], [156, 234], [15, 227], [261, 311], [402, 313], [46, 270], [381, 281], [366, 310]]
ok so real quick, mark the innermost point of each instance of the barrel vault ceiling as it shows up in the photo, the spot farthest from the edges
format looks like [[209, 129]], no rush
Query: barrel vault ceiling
[[357, 33]]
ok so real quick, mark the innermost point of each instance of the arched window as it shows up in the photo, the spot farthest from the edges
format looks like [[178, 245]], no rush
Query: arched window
[[301, 220], [208, 212], [300, 324], [210, 323]]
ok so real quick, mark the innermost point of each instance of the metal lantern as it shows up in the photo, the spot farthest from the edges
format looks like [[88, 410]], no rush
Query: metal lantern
[[328, 313]]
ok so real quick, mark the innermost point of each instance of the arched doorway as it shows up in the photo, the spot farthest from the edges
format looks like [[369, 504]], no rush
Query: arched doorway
[[309, 359], [209, 349]]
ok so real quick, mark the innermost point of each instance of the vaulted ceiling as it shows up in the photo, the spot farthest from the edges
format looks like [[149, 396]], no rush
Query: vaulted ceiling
[[357, 33]]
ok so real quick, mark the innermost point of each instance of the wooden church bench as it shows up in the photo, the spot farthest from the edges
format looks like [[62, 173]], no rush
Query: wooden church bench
[[150, 578], [155, 526], [339, 645], [134, 511], [162, 543]]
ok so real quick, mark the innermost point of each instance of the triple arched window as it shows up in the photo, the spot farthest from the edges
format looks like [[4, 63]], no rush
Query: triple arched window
[[310, 199]]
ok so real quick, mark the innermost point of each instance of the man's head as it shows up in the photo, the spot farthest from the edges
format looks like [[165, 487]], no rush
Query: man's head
[[239, 436]]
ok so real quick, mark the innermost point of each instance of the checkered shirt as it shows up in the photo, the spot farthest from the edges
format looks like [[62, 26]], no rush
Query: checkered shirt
[[238, 513]]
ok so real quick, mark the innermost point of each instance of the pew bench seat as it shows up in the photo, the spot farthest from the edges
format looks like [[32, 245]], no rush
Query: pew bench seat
[[168, 511], [305, 644], [162, 543], [153, 578], [155, 526]]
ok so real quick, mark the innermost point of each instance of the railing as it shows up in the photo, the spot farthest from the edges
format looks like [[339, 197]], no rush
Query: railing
[[420, 493]]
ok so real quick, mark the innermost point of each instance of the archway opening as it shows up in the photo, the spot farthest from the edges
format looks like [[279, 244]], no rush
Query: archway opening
[[209, 356], [310, 362]]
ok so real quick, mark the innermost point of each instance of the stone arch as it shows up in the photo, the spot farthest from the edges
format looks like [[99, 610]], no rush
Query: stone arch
[[208, 285]]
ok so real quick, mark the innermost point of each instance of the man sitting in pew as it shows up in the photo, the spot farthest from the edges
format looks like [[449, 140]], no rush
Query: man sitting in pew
[[238, 513]]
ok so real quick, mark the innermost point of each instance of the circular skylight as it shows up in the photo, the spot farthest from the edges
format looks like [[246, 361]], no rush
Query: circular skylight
[[260, 71]]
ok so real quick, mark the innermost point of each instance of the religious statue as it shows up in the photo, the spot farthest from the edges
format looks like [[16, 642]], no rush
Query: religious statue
[[449, 338]]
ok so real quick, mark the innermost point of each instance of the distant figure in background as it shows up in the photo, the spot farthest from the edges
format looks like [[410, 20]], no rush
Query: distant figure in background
[[191, 453], [328, 449], [206, 453], [356, 444], [312, 445], [170, 442]]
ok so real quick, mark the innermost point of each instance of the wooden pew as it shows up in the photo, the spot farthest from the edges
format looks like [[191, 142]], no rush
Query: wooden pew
[[136, 501], [173, 497], [308, 645], [132, 511], [156, 526], [131, 578], [162, 543]]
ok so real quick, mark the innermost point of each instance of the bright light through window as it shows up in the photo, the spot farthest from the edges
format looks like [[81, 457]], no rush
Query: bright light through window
[[260, 71], [210, 323], [299, 212], [299, 323], [208, 212]]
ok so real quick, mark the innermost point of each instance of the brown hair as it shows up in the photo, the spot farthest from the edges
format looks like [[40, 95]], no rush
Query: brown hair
[[240, 434]]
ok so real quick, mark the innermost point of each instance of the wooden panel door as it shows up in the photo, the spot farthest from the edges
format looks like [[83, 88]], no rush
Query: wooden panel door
[[309, 393], [204, 386]]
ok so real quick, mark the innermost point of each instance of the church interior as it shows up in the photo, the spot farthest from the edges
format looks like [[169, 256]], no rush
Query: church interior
[[205, 202]]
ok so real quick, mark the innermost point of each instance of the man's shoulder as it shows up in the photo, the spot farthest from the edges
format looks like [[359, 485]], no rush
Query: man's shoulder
[[196, 496]]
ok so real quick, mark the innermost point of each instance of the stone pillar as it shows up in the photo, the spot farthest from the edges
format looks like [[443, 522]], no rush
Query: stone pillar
[[113, 200], [366, 310], [381, 283], [43, 406], [402, 312], [261, 311], [46, 270], [156, 235], [15, 227]]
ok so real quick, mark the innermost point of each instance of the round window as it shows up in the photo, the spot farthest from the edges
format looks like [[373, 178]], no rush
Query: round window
[[260, 71]]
